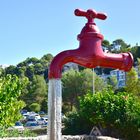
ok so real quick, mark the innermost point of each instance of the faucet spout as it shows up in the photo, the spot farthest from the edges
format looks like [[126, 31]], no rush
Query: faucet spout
[[59, 60], [122, 61], [90, 59]]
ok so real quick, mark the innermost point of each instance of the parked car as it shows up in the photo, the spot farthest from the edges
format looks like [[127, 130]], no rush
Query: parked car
[[33, 114], [45, 124], [25, 115], [18, 125], [32, 125], [45, 117], [37, 116], [41, 113], [24, 111], [31, 118], [41, 121]]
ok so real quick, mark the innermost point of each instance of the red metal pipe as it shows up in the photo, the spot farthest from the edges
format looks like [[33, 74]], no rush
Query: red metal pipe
[[90, 53]]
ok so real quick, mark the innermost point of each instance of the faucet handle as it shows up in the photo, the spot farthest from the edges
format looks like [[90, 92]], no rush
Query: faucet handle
[[90, 14]]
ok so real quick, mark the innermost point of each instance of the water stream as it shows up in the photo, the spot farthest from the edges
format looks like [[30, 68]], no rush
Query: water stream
[[54, 109]]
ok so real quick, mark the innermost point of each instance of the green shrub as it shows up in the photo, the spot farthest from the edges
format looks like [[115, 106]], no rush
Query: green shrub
[[10, 105], [15, 133], [41, 131], [118, 114], [75, 124]]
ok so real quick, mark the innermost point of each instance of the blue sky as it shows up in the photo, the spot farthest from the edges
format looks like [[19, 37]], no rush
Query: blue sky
[[32, 28]]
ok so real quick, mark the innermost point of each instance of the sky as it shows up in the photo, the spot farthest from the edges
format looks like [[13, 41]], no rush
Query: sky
[[33, 28]]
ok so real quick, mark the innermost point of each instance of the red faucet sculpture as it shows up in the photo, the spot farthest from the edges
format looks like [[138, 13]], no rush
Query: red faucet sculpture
[[90, 53]]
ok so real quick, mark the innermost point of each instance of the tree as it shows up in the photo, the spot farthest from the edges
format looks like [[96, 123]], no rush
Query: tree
[[124, 46], [77, 84], [87, 81], [138, 52], [28, 62], [106, 44], [132, 82], [36, 70], [10, 105], [135, 50], [48, 57], [39, 69], [32, 61], [32, 66], [30, 72], [36, 91], [2, 72], [112, 81], [46, 60], [10, 70], [35, 107], [72, 84], [40, 90], [100, 84], [138, 65]]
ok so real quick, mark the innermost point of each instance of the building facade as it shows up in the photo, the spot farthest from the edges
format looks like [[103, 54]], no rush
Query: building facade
[[120, 76]]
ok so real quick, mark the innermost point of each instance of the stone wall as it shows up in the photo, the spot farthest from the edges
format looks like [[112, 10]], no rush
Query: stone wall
[[82, 137]]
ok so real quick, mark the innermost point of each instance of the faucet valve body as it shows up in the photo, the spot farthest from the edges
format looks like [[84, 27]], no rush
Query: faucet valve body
[[90, 29]]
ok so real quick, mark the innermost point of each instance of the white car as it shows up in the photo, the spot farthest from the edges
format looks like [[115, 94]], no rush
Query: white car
[[45, 117], [41, 121], [33, 114]]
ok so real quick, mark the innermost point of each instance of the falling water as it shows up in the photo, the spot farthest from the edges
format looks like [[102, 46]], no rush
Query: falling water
[[54, 109]]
